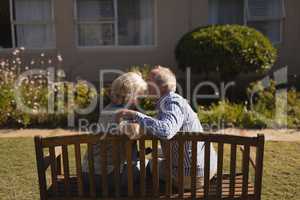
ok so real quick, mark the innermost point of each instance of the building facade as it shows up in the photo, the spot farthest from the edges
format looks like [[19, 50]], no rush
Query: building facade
[[115, 34]]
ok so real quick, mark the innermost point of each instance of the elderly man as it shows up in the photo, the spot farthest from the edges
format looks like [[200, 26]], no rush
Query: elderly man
[[174, 115]]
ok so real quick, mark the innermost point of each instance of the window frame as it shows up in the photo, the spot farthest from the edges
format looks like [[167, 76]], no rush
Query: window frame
[[281, 19], [116, 30], [267, 19], [14, 22]]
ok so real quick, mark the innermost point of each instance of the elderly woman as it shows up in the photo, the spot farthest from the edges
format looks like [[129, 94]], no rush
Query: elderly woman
[[124, 92]]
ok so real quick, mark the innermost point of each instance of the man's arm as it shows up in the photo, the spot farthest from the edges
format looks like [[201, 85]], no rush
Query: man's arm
[[167, 124]]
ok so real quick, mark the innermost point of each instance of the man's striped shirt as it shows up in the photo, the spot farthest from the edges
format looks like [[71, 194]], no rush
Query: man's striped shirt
[[176, 115]]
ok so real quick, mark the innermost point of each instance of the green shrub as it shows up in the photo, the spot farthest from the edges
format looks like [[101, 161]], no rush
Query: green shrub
[[229, 115], [268, 100], [34, 94], [294, 108], [260, 114], [225, 49], [84, 94], [31, 90], [223, 111]]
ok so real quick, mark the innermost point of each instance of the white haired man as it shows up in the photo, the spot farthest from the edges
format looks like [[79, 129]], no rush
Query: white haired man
[[174, 115]]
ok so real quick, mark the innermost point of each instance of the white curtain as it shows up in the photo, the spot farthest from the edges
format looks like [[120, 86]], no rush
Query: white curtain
[[146, 22], [226, 11], [136, 22], [96, 34], [128, 22], [95, 9], [33, 35]]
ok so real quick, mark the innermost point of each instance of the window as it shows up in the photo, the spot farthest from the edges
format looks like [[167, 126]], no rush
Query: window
[[115, 22], [264, 15], [26, 23], [5, 33]]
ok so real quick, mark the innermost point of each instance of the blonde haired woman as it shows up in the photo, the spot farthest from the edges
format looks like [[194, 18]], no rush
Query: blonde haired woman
[[124, 92]]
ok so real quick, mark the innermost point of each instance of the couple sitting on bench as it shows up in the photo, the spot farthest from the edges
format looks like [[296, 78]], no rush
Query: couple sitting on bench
[[174, 115]]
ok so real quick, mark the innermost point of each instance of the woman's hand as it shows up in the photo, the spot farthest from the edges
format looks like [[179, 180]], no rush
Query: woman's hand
[[132, 130]]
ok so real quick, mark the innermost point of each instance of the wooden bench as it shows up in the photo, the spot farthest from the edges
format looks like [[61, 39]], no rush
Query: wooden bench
[[234, 184]]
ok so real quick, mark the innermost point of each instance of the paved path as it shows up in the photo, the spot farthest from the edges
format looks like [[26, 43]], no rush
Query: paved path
[[11, 133], [286, 135], [271, 135]]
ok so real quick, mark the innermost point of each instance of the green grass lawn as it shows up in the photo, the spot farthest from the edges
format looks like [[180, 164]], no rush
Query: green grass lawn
[[18, 179]]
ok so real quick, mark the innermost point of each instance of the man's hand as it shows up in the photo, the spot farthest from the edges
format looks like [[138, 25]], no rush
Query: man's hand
[[125, 114]]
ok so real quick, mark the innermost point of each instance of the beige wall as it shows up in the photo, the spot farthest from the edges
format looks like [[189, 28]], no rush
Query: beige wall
[[289, 50], [174, 18]]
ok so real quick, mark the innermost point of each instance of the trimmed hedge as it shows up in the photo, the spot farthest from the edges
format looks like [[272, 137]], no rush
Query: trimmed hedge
[[226, 49]]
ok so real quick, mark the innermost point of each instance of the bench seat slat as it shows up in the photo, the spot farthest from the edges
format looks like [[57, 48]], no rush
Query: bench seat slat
[[168, 168], [103, 165], [116, 161], [91, 170], [53, 168], [220, 170], [66, 168], [129, 168], [194, 169], [79, 169], [155, 174], [142, 167], [180, 168], [246, 158], [233, 152], [206, 169]]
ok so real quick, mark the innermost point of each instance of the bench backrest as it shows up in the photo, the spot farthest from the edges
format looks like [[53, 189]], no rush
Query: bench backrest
[[58, 163]]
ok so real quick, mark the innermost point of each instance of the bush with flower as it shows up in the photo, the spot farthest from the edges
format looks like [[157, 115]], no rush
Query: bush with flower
[[27, 100]]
